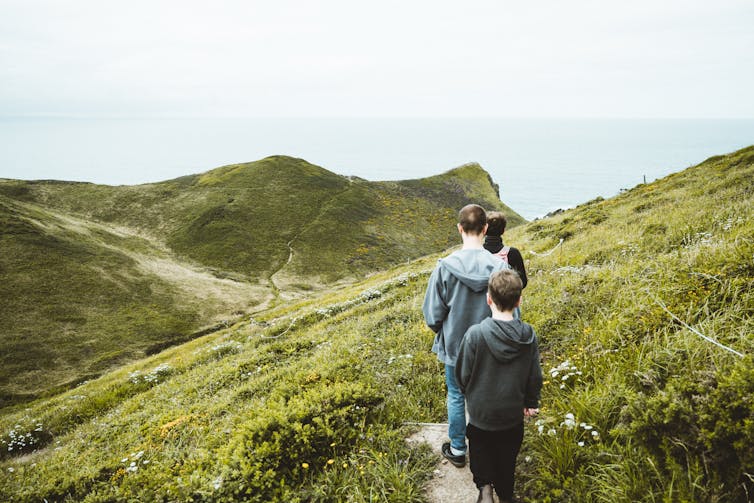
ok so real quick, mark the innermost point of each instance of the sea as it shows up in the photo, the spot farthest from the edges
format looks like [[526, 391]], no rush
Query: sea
[[540, 165]]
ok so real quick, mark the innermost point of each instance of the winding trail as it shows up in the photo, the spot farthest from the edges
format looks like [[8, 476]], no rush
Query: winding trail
[[323, 207]]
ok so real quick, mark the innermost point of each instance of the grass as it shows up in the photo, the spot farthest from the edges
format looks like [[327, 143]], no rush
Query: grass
[[69, 302], [241, 219], [602, 301], [93, 276], [298, 394], [308, 400]]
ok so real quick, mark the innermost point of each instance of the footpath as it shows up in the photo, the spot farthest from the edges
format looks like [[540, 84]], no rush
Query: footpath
[[449, 484]]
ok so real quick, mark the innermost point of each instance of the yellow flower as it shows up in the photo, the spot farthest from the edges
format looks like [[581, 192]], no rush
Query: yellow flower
[[330, 461], [345, 465], [305, 466], [332, 444]]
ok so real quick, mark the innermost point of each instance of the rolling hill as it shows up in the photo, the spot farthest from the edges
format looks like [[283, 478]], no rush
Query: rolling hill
[[92, 276], [312, 400]]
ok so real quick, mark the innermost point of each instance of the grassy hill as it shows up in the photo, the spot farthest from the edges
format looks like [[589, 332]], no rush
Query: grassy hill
[[79, 298], [93, 276], [243, 220], [309, 401]]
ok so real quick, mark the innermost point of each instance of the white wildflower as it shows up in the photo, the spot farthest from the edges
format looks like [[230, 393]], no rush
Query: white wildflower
[[569, 422]]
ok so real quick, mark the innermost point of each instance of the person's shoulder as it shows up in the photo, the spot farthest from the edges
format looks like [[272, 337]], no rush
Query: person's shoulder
[[533, 331], [476, 331], [515, 252], [458, 255], [498, 263]]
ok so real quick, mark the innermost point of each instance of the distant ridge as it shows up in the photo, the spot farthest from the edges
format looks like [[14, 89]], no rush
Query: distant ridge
[[94, 275]]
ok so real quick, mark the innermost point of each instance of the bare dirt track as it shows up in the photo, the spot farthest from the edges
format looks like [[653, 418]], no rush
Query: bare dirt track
[[449, 484]]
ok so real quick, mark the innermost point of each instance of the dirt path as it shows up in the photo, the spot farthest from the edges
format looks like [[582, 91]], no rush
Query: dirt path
[[449, 484]]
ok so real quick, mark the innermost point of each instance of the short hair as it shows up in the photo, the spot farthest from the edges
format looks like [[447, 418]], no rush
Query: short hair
[[472, 218], [505, 288], [496, 223]]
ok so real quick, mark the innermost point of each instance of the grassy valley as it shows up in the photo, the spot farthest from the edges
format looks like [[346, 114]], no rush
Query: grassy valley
[[79, 298], [94, 276], [311, 400]]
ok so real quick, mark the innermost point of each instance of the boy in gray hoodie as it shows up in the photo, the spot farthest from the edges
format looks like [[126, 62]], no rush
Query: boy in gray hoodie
[[455, 300], [499, 373]]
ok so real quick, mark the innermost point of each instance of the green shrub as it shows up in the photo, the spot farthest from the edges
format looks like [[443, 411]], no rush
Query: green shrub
[[701, 422], [271, 453]]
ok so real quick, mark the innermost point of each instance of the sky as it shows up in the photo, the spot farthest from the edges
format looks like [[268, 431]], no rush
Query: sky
[[347, 58]]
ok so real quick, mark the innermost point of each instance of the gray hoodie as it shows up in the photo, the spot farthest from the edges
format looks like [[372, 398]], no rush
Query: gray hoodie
[[498, 372], [456, 298]]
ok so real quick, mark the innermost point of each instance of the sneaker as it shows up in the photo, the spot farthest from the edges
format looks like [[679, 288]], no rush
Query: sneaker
[[459, 461]]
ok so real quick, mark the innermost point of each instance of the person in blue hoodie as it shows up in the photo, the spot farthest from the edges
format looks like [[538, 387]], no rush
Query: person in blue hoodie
[[455, 300], [498, 371]]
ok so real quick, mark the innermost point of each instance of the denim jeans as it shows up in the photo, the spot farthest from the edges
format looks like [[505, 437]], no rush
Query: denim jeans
[[456, 411]]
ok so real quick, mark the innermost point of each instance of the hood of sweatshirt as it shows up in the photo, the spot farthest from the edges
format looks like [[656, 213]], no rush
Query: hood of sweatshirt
[[472, 267], [505, 339]]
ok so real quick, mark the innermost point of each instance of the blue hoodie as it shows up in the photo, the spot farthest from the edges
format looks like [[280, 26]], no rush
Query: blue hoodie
[[456, 298]]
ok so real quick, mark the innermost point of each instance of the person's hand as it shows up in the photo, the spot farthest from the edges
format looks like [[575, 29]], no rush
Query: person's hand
[[530, 412]]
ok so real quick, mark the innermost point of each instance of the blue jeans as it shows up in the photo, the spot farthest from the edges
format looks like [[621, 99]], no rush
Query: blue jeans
[[456, 411]]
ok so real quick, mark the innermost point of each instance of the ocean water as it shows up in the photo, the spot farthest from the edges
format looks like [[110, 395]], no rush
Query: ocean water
[[540, 164]]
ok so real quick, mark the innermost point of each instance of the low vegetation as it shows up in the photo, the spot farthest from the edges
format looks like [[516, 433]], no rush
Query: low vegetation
[[635, 299], [312, 400], [93, 276]]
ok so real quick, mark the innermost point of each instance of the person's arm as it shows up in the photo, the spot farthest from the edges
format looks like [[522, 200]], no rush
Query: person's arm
[[465, 361], [516, 261], [434, 308], [534, 382]]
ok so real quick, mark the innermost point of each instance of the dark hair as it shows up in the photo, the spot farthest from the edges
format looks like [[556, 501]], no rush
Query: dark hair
[[505, 289], [472, 218], [496, 223]]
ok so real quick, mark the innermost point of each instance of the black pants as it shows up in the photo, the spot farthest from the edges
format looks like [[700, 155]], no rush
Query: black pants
[[492, 455]]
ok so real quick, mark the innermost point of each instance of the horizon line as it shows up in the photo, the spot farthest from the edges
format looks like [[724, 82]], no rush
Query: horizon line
[[357, 117]]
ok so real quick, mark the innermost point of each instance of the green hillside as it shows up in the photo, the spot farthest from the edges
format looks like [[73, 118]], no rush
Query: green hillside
[[310, 401], [241, 219], [79, 298], [94, 276]]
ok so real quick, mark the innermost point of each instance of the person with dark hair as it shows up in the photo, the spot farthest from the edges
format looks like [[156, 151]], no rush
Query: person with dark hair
[[455, 300], [493, 243], [498, 371]]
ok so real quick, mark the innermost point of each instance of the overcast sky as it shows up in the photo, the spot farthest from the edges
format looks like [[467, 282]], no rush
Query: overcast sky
[[249, 58]]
